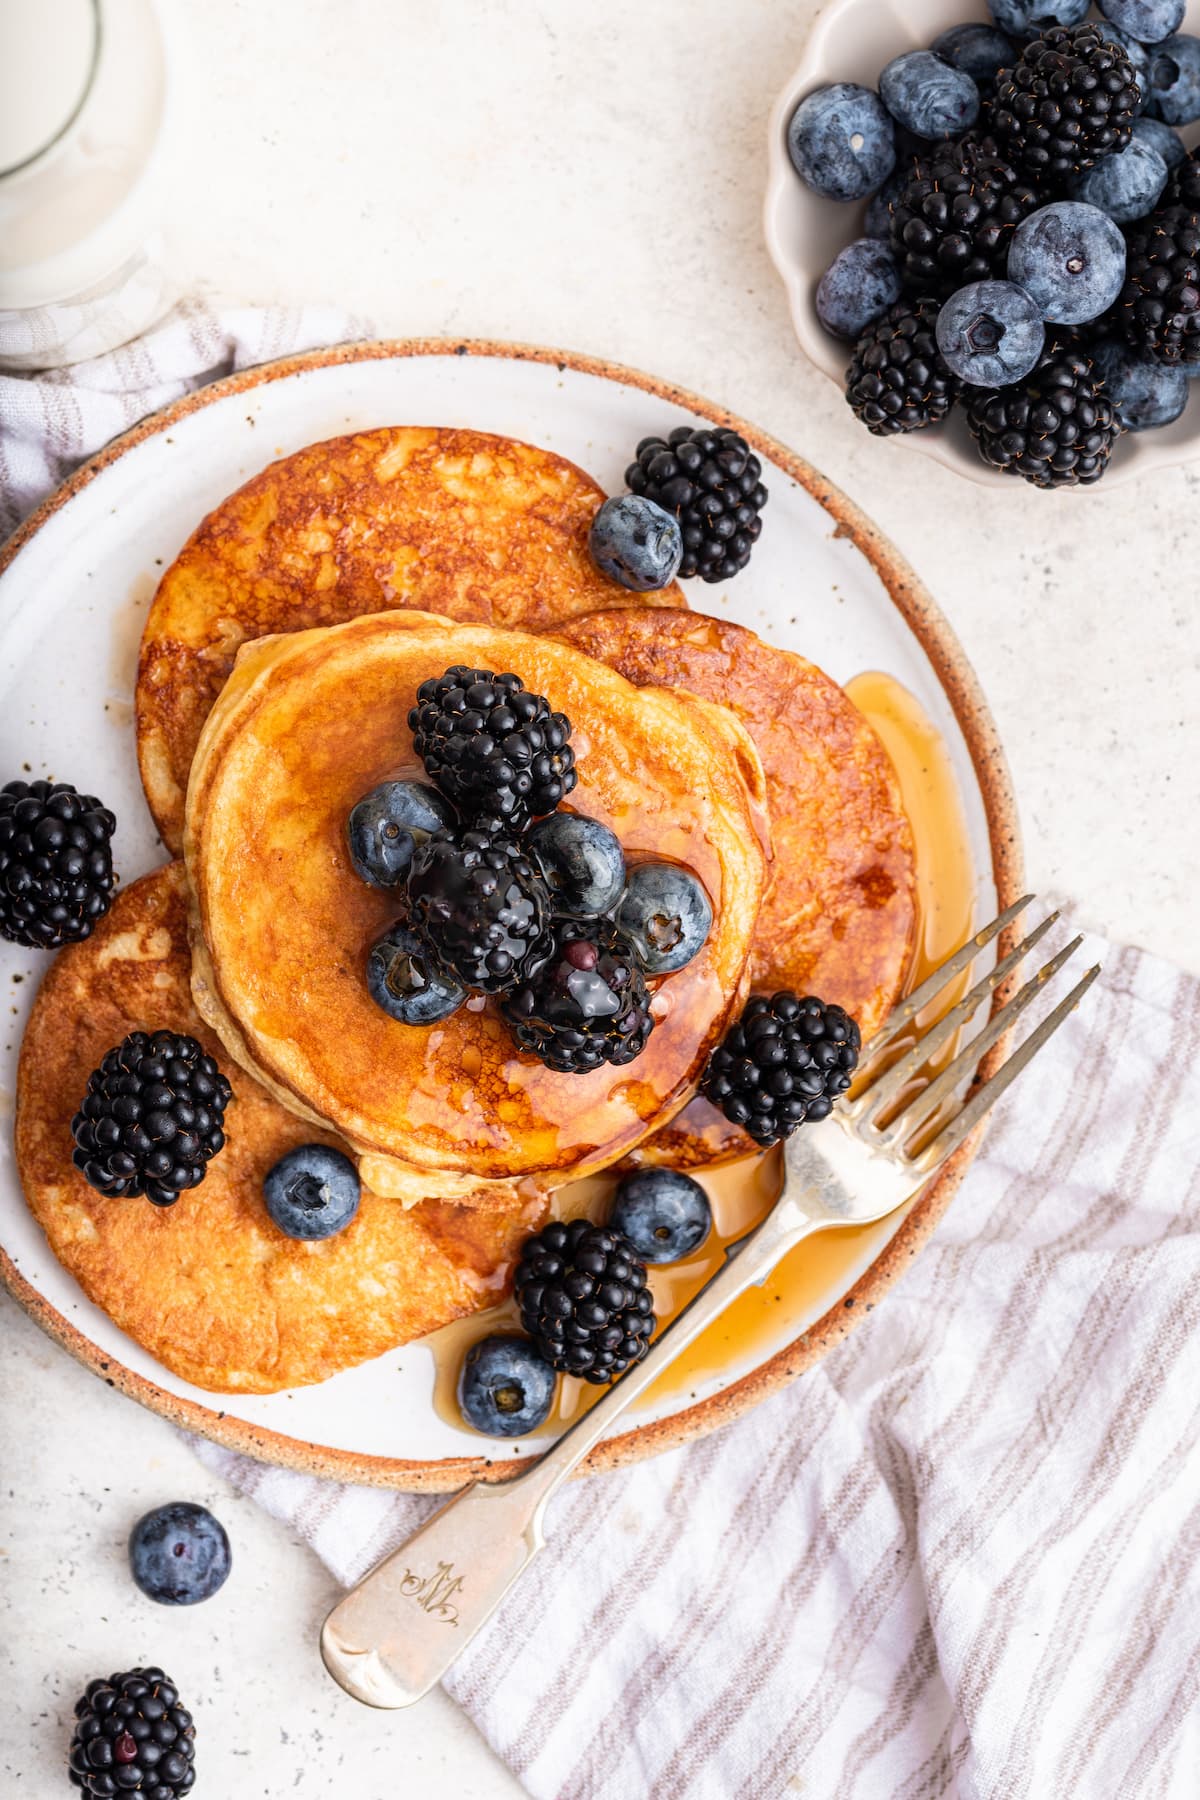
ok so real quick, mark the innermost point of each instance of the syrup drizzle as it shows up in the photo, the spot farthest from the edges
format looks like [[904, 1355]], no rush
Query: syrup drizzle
[[741, 1193]]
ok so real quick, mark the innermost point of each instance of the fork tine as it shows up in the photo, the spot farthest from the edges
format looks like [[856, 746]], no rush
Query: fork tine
[[924, 1104], [908, 1008], [947, 1141], [878, 1096]]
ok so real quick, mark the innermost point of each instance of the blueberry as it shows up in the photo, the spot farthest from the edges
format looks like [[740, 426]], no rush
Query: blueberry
[[406, 982], [859, 285], [505, 1388], [842, 142], [637, 542], [582, 861], [387, 824], [878, 222], [666, 913], [1174, 78], [665, 1215], [1025, 16], [980, 51], [1160, 137], [991, 333], [1126, 186], [1070, 259], [179, 1554], [312, 1192], [1149, 21], [1146, 394], [928, 95]]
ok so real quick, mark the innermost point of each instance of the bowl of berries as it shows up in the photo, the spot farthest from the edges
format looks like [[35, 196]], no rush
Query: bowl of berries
[[987, 220]]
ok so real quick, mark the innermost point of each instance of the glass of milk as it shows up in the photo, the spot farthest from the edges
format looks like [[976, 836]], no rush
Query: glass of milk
[[84, 91]]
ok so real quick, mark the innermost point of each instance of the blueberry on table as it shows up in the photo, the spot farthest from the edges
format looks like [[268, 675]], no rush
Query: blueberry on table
[[928, 96], [664, 1214], [1145, 394], [1160, 137], [990, 333], [505, 1388], [637, 542], [1070, 259], [980, 51], [1174, 79], [1149, 21], [387, 824], [179, 1554], [312, 1193], [842, 141], [1127, 186], [859, 285], [667, 916], [1023, 16], [582, 863]]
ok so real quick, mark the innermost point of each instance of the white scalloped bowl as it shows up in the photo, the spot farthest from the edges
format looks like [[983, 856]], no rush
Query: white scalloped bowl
[[852, 40]]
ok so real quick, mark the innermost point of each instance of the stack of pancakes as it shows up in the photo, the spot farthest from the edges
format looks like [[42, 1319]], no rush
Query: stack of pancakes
[[280, 657]]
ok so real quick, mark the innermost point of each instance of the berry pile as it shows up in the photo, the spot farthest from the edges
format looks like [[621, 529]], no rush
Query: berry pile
[[502, 894], [1032, 247]]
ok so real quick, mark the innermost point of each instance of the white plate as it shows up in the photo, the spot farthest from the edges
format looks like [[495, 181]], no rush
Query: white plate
[[853, 40], [72, 600]]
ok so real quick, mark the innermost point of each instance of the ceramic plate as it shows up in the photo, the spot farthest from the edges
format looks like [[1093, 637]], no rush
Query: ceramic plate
[[74, 588]]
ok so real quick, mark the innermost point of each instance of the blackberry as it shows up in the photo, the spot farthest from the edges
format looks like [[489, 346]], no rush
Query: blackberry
[[1183, 187], [710, 480], [56, 873], [786, 1060], [584, 1300], [491, 746], [954, 219], [1056, 428], [477, 902], [587, 1004], [1158, 309], [898, 379], [1070, 99], [132, 1736], [151, 1118]]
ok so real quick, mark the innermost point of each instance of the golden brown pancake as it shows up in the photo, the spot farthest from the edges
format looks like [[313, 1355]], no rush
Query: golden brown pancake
[[210, 1286], [839, 913], [455, 522], [309, 722]]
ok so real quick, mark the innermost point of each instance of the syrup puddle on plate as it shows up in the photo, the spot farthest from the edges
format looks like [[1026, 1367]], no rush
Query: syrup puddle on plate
[[741, 1193]]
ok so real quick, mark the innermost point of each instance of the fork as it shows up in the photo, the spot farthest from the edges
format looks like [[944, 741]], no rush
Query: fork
[[397, 1633]]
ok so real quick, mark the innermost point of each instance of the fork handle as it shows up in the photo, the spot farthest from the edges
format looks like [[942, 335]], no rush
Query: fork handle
[[395, 1635]]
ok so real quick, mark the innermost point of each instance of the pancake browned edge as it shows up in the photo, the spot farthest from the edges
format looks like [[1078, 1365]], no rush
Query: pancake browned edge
[[461, 523], [839, 915], [209, 1286]]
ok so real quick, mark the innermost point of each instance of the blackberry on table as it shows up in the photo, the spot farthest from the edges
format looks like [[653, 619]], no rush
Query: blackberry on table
[[56, 872], [1056, 428], [785, 1061], [491, 746], [132, 1736], [711, 481], [953, 220], [152, 1117], [479, 905], [898, 379], [584, 1299], [587, 1004], [1158, 309], [1070, 98]]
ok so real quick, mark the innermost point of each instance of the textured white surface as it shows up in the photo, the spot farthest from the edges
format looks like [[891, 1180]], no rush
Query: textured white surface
[[591, 177]]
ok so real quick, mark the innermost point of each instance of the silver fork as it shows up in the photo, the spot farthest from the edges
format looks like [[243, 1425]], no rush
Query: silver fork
[[396, 1634]]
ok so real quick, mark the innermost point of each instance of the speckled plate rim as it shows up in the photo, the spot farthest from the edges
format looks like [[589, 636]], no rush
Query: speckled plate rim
[[957, 678]]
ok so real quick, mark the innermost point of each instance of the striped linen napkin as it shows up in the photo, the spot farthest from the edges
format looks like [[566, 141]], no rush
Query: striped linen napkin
[[962, 1555]]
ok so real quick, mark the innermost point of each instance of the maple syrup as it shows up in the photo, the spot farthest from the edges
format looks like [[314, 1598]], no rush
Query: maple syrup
[[741, 1193]]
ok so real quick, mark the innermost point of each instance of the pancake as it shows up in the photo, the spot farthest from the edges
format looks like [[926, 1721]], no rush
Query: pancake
[[457, 522], [306, 724], [839, 914], [209, 1286]]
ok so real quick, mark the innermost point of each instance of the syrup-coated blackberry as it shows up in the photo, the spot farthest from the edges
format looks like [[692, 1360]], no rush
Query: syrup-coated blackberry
[[478, 903], [587, 1004]]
